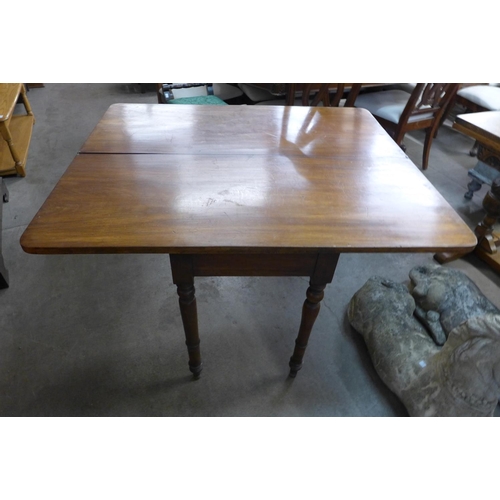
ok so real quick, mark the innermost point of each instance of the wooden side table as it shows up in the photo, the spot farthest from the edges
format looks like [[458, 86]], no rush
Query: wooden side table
[[244, 191], [489, 241], [14, 129], [484, 127]]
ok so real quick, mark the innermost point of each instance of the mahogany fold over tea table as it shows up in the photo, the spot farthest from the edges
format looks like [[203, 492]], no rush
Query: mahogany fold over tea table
[[243, 191]]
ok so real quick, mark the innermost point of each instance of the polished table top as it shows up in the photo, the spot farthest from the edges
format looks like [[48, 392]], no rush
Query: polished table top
[[280, 130], [243, 179], [8, 98]]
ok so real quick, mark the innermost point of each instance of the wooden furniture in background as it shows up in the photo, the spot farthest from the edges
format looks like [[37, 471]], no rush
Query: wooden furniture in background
[[314, 94], [484, 127], [477, 98], [399, 112], [198, 93], [15, 130], [238, 191], [292, 93], [207, 97]]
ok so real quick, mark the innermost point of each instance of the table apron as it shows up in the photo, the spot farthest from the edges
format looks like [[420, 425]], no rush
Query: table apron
[[320, 267]]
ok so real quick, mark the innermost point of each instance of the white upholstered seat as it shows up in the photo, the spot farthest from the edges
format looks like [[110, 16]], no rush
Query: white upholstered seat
[[388, 104], [486, 96], [400, 112], [256, 94], [226, 92]]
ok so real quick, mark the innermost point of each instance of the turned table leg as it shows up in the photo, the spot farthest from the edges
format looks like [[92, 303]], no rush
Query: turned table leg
[[5, 133], [182, 273], [320, 268], [473, 186], [324, 270], [189, 314], [487, 246], [487, 243], [310, 311]]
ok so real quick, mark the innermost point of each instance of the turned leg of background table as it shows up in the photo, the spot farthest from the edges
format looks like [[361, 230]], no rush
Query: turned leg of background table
[[310, 311], [488, 241]]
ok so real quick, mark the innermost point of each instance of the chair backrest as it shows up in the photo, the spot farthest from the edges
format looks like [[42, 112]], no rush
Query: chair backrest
[[314, 94], [166, 94], [428, 100]]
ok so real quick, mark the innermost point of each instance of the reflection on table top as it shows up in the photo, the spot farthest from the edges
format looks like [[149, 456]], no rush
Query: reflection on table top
[[191, 129], [240, 179]]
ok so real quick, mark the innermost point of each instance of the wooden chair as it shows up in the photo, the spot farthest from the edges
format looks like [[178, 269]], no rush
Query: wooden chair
[[314, 94], [400, 112], [310, 94], [197, 93]]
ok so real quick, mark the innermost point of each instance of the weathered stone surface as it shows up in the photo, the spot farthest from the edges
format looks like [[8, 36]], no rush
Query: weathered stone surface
[[446, 298], [463, 378], [460, 379], [382, 311]]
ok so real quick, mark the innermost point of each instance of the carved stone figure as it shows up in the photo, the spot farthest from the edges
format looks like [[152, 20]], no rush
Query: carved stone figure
[[446, 298], [463, 378], [460, 379], [400, 348]]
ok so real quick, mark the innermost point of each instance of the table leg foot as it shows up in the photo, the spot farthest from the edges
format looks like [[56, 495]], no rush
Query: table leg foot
[[473, 186], [195, 364], [310, 311], [4, 190], [187, 303], [4, 278], [196, 371]]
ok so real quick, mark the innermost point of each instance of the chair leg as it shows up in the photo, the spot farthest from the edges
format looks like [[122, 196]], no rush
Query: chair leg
[[473, 151], [429, 136], [398, 135]]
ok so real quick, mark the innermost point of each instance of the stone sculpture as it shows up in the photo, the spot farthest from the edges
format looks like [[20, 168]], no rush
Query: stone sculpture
[[445, 298], [462, 378]]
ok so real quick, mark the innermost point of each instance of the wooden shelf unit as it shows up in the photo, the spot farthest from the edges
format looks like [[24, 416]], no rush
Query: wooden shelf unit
[[15, 130]]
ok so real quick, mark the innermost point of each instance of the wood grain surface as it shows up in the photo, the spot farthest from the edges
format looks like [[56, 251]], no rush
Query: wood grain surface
[[244, 203], [8, 99], [271, 130]]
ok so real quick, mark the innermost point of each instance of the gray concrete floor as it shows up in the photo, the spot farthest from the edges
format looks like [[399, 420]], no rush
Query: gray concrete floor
[[101, 335]]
